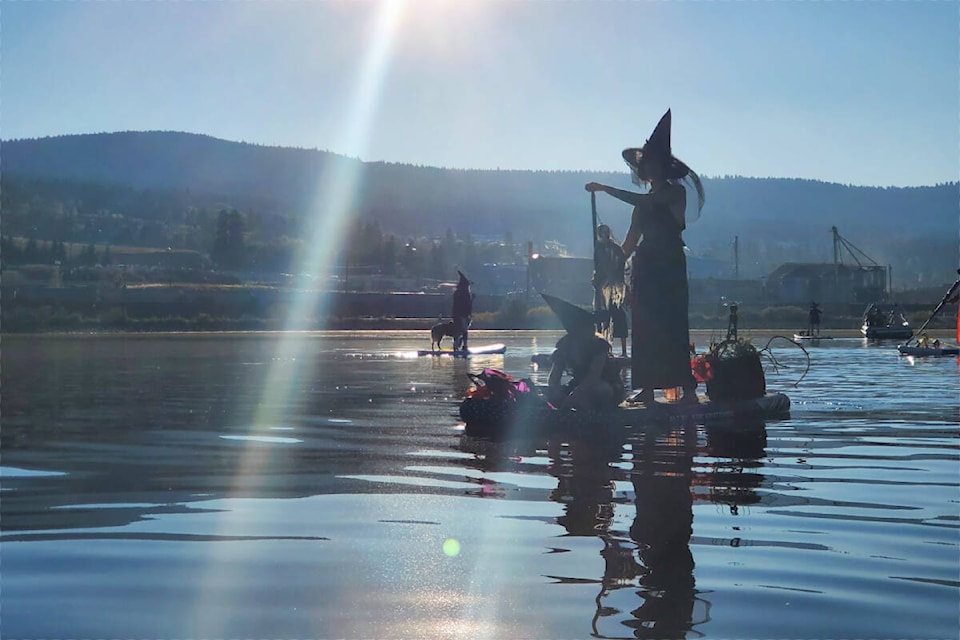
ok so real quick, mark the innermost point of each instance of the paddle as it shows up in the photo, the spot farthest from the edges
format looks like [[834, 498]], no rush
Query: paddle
[[596, 258], [936, 310]]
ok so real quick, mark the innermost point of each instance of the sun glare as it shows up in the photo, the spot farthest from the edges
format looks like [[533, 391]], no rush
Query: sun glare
[[331, 211], [332, 207], [441, 30]]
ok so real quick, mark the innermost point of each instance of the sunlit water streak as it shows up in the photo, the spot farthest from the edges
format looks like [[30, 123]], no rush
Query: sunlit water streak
[[125, 475]]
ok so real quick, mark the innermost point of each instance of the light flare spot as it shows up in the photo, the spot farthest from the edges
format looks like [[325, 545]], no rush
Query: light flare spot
[[451, 547]]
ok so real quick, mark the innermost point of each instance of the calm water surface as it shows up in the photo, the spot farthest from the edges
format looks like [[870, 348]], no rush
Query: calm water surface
[[318, 486]]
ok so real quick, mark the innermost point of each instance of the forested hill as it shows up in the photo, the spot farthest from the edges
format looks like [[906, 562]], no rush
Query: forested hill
[[774, 219]]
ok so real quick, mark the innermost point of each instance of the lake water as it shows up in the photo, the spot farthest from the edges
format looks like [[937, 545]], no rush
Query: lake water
[[317, 485]]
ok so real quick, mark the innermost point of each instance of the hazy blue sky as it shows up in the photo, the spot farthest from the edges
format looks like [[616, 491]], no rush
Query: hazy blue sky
[[851, 92]]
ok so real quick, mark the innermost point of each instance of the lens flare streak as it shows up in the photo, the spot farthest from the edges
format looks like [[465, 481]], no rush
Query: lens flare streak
[[332, 208]]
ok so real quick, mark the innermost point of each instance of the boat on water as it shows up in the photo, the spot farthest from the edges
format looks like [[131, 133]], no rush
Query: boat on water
[[924, 350], [924, 346], [885, 321]]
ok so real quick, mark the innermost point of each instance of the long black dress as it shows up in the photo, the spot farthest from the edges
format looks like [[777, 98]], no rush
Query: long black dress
[[661, 328], [462, 314]]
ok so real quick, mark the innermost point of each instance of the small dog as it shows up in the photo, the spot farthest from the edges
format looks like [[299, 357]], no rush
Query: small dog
[[441, 330]]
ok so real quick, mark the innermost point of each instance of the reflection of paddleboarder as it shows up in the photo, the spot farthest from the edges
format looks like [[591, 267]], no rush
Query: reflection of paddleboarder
[[656, 554], [585, 475], [662, 530]]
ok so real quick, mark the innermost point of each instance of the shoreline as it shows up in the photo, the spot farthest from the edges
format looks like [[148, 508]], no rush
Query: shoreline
[[840, 334]]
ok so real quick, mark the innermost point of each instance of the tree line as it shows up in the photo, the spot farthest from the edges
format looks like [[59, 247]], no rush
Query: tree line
[[238, 245], [33, 251], [156, 189]]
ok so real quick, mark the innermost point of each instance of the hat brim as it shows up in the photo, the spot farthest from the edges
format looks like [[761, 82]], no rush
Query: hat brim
[[637, 159]]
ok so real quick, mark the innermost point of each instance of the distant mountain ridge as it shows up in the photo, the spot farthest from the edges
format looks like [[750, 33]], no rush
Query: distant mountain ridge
[[164, 159], [765, 214]]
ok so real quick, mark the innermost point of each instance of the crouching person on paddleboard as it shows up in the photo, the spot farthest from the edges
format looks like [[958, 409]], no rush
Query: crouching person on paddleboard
[[596, 383]]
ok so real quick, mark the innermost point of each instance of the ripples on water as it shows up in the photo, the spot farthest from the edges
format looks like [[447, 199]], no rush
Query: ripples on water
[[319, 485]]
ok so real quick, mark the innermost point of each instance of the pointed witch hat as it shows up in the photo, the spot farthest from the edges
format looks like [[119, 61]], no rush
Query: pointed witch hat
[[464, 282], [572, 317], [657, 150]]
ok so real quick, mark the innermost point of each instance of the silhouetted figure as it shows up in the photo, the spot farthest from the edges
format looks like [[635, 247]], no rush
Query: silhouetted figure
[[596, 382], [610, 289], [814, 319], [659, 294], [462, 312]]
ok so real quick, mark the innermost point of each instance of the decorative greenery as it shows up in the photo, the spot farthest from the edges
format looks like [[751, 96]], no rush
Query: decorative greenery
[[704, 365], [738, 348]]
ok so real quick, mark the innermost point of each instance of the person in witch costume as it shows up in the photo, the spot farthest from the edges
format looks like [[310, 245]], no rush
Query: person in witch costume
[[660, 346], [609, 286], [596, 382], [462, 312]]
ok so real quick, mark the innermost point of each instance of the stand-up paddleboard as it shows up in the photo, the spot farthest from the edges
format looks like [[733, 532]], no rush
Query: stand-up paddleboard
[[803, 335], [544, 360], [482, 350], [534, 418]]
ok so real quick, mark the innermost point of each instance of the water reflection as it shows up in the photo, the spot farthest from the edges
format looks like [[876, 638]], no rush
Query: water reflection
[[648, 586], [143, 473], [461, 367], [585, 483], [733, 457], [662, 478]]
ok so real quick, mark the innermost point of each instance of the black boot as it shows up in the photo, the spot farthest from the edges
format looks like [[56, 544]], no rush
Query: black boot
[[690, 394], [641, 396]]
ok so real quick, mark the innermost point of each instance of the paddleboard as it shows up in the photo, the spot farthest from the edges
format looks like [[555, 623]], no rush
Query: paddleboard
[[535, 419], [544, 360], [482, 350], [804, 336]]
